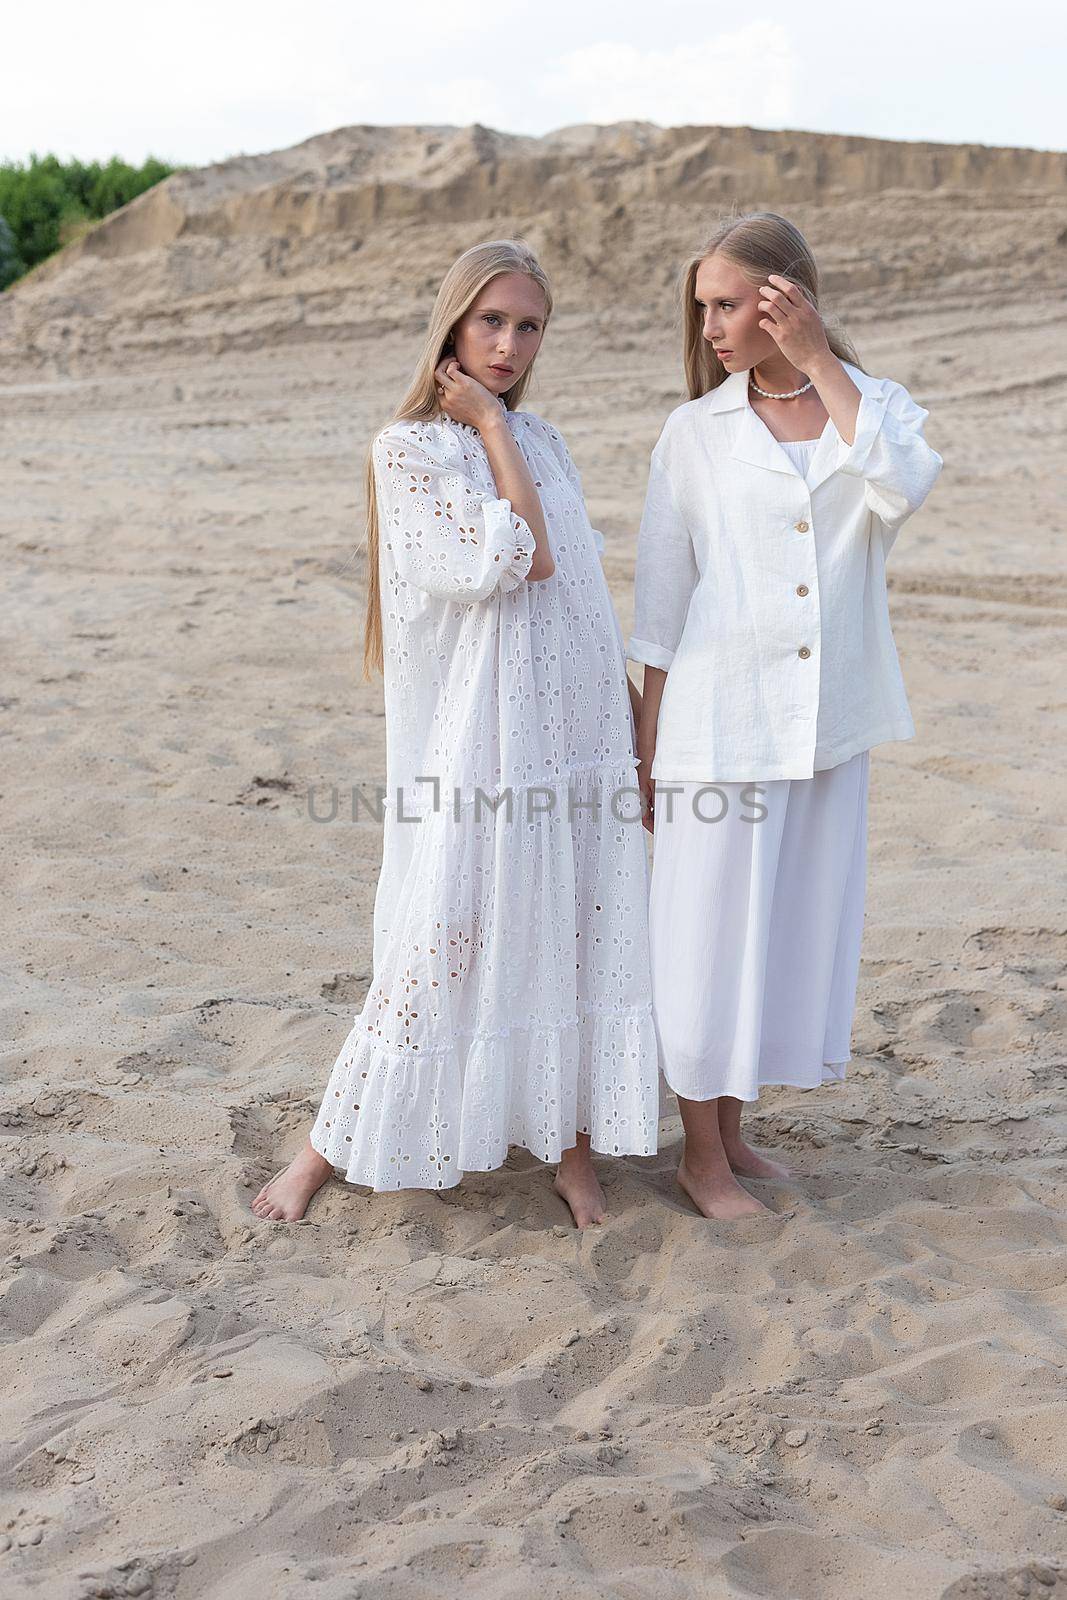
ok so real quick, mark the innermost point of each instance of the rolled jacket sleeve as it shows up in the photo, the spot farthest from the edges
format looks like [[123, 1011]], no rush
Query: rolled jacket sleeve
[[665, 575], [448, 538], [890, 454]]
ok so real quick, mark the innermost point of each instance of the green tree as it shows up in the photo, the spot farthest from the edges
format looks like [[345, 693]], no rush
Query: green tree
[[11, 264], [47, 202]]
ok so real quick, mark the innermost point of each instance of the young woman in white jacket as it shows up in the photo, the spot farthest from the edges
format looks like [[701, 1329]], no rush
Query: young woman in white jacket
[[760, 613]]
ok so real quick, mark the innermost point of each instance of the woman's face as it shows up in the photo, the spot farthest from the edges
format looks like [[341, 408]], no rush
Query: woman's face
[[498, 337], [730, 306]]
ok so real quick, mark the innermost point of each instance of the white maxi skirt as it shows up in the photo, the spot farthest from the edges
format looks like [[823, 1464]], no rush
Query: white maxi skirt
[[755, 930]]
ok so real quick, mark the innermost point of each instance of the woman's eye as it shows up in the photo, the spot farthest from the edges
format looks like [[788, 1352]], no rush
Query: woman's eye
[[489, 317]]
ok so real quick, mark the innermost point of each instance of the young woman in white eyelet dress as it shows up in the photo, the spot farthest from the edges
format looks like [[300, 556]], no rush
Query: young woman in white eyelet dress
[[760, 613], [510, 1001]]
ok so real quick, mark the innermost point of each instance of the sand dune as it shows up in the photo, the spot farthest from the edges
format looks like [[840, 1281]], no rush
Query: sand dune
[[865, 1394], [347, 233]]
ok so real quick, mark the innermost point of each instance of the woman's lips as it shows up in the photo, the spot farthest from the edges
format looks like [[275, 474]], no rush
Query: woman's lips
[[505, 371]]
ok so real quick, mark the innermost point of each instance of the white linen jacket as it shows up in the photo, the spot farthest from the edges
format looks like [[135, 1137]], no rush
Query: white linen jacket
[[764, 594]]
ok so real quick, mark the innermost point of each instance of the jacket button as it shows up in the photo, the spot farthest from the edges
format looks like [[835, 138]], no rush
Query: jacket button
[[801, 527], [802, 588], [804, 652]]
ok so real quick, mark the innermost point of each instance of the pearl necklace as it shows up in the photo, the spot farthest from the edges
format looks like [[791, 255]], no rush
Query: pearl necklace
[[767, 395]]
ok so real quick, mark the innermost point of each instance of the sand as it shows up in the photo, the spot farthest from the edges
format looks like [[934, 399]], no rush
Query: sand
[[407, 1395]]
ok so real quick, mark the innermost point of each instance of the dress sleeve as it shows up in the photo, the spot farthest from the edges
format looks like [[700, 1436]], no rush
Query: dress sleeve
[[665, 575], [448, 537], [891, 455]]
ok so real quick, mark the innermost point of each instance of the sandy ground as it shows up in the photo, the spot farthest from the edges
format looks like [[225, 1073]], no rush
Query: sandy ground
[[863, 1394]]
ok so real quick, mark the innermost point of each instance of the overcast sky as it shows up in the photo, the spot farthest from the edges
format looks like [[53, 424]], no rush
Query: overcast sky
[[201, 82]]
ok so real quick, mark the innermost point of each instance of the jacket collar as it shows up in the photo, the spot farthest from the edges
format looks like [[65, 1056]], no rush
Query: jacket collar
[[754, 442]]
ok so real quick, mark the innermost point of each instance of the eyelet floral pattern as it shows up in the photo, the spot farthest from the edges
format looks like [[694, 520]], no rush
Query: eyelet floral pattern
[[510, 1001]]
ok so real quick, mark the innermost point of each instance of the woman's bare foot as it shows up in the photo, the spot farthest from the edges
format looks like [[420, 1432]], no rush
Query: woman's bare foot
[[285, 1197], [750, 1164], [741, 1156], [705, 1173], [716, 1193], [577, 1183]]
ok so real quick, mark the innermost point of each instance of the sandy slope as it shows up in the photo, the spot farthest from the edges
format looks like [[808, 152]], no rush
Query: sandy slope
[[864, 1395]]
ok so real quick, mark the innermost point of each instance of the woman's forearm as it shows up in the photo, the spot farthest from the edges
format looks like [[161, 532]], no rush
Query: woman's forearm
[[515, 483], [838, 394], [635, 700], [652, 694]]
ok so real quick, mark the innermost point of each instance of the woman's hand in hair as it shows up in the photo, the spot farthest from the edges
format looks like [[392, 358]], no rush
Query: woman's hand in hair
[[793, 322], [462, 397]]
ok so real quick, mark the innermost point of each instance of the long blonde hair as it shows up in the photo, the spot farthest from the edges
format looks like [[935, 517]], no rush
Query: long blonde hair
[[757, 242], [461, 286]]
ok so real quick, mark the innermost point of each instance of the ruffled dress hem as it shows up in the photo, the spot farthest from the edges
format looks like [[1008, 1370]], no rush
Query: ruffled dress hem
[[406, 1120]]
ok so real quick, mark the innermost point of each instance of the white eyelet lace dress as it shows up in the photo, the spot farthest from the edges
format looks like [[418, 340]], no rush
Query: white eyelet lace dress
[[510, 1001]]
